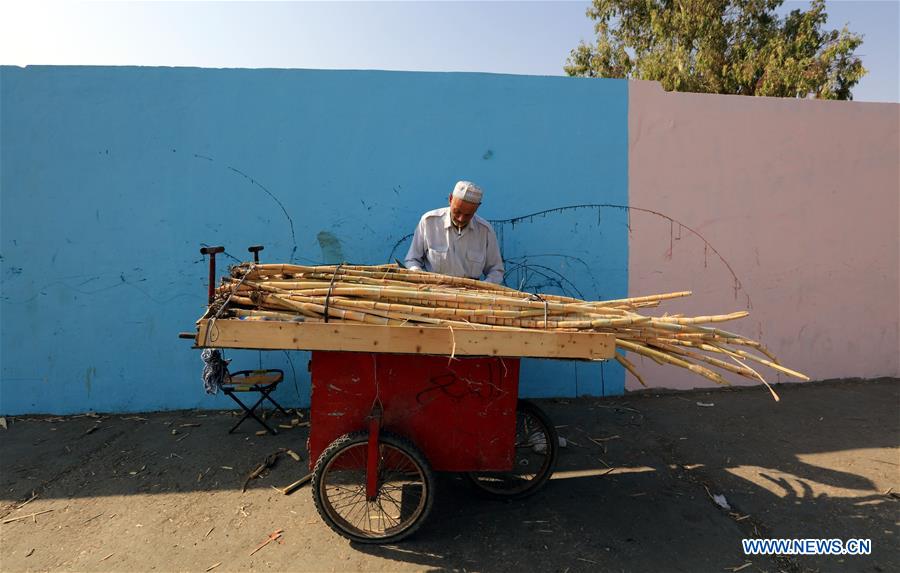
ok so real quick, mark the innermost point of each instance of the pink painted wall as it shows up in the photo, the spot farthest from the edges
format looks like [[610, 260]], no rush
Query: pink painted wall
[[800, 197]]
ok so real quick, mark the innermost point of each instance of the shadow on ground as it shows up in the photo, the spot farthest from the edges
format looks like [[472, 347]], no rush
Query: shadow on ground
[[634, 491]]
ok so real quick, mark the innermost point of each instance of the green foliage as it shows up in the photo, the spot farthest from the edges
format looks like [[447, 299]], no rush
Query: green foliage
[[721, 46]]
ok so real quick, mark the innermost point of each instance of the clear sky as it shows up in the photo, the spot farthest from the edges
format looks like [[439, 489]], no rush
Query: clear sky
[[501, 36]]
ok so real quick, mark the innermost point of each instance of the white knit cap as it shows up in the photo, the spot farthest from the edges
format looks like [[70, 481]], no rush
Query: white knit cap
[[468, 191]]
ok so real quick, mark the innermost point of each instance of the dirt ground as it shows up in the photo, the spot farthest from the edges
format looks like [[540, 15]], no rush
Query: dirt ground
[[162, 491]]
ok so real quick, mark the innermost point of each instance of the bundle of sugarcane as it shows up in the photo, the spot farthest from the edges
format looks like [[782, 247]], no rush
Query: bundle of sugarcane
[[390, 295]]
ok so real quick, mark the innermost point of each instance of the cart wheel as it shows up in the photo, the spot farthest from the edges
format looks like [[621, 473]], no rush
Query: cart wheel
[[537, 446], [405, 488]]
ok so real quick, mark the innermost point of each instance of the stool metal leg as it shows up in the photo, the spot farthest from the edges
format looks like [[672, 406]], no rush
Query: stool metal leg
[[248, 413], [267, 395]]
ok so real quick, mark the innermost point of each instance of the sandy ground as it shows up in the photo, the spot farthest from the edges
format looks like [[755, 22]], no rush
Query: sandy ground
[[162, 491]]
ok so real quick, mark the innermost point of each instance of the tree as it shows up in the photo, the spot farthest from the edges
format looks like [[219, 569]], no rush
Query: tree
[[721, 46]]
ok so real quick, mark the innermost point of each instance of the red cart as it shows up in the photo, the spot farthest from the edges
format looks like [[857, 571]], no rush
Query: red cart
[[390, 406], [381, 423]]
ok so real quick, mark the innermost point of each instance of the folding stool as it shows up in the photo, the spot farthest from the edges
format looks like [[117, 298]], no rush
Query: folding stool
[[262, 381]]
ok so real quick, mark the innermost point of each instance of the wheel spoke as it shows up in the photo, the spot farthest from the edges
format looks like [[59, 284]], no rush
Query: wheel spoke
[[387, 518]]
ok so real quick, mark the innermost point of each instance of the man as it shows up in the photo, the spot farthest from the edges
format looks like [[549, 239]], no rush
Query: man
[[455, 241]]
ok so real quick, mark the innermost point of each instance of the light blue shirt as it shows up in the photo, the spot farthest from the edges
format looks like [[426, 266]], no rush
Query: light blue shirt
[[470, 252]]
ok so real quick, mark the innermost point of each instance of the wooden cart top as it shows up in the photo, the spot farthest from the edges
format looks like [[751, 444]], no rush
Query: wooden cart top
[[352, 337]]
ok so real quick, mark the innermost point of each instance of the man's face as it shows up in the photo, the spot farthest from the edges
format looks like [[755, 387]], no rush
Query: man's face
[[461, 212]]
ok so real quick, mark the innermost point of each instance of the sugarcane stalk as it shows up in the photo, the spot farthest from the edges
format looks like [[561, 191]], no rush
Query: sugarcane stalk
[[388, 295], [742, 371], [704, 319], [630, 367], [648, 298], [647, 351], [772, 365]]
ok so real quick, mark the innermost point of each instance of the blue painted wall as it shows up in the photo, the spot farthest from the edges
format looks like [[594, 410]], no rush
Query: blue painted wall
[[112, 178]]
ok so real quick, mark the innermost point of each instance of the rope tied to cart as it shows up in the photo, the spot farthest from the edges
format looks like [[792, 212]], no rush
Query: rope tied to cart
[[212, 322], [538, 297], [330, 288]]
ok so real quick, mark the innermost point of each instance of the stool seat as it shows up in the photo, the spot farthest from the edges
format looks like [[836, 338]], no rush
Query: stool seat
[[245, 380], [262, 381]]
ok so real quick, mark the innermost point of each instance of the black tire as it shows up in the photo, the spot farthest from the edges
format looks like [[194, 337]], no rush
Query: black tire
[[537, 447], [405, 485]]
